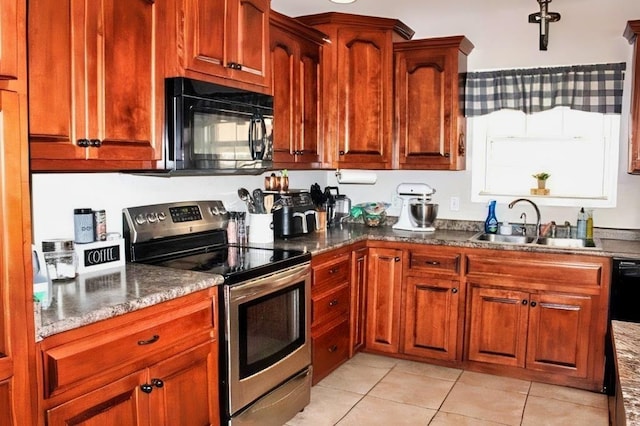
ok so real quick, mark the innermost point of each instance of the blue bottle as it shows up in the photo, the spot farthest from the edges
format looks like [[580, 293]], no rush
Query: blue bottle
[[491, 224]]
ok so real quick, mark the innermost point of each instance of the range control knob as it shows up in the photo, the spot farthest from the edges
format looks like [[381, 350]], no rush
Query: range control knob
[[162, 216], [141, 219], [214, 210], [222, 210], [152, 217]]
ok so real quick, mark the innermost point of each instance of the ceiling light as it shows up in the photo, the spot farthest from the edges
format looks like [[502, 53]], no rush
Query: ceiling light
[[342, 1]]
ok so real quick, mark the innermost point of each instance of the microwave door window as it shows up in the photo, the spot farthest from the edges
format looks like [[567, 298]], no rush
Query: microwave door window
[[219, 137]]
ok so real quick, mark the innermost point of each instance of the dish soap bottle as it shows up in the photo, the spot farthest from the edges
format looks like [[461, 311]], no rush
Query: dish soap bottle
[[491, 223], [582, 224]]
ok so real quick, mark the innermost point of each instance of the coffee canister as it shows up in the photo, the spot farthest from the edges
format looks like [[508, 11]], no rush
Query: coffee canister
[[83, 225], [99, 225]]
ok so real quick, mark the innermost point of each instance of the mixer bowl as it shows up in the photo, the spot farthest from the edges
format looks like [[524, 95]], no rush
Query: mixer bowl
[[423, 213]]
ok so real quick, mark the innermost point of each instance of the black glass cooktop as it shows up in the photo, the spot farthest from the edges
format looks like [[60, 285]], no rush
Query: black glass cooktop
[[235, 263]]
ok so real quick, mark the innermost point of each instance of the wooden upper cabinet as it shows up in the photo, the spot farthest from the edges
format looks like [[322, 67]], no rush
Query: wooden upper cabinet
[[9, 39], [93, 90], [631, 33], [430, 127], [357, 93], [223, 41], [295, 62]]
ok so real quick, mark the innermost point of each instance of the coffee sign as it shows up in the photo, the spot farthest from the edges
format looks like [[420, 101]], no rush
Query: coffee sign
[[100, 255]]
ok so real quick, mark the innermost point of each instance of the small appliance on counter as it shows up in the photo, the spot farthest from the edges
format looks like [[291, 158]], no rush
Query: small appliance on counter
[[338, 205], [417, 213], [294, 214]]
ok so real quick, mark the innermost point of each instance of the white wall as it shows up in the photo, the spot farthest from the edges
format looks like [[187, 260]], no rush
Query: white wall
[[590, 31]]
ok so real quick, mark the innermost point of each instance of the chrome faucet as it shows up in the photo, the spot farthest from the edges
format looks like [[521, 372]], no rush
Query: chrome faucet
[[514, 202]]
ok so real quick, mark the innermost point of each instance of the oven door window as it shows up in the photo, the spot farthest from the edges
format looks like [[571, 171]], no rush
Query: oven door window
[[271, 327]]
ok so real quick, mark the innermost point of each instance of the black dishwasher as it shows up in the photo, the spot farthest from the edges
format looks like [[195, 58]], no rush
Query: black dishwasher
[[625, 290]]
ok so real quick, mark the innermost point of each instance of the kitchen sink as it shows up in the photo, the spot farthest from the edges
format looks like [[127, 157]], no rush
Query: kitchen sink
[[503, 239], [571, 243]]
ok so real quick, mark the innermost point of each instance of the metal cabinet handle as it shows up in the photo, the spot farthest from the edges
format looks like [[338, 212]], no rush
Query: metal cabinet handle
[[525, 301], [396, 259], [334, 302], [333, 270], [533, 304], [83, 143], [341, 152], [454, 290], [157, 383], [333, 348], [154, 339], [97, 143], [146, 388], [432, 262]]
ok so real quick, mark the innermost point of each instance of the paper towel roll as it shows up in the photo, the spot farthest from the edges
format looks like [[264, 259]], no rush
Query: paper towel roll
[[356, 176]]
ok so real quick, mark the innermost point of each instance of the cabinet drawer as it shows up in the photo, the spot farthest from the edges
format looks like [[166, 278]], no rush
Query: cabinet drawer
[[330, 349], [330, 305], [332, 273], [434, 262], [126, 347]]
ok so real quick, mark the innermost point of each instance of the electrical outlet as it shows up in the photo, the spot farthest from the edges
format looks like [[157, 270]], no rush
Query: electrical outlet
[[454, 204]]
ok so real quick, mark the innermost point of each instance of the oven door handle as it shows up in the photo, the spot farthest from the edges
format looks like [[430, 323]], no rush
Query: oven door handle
[[253, 289]]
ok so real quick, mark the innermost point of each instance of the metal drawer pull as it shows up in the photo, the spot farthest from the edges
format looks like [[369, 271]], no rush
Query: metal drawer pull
[[157, 383], [454, 290], [432, 262], [333, 270], [154, 339], [146, 388], [333, 348], [396, 259], [334, 302]]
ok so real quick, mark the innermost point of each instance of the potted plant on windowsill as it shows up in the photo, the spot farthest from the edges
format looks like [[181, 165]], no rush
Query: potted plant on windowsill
[[542, 179]]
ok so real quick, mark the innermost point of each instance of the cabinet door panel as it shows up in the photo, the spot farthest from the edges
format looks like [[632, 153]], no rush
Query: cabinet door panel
[[359, 278], [364, 98], [384, 293], [204, 23], [431, 317], [117, 404], [426, 109], [9, 39], [253, 24], [309, 100], [285, 102], [188, 395], [498, 326], [52, 131], [559, 333]]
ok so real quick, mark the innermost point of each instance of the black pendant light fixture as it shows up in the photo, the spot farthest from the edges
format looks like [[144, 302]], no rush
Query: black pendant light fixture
[[543, 18]]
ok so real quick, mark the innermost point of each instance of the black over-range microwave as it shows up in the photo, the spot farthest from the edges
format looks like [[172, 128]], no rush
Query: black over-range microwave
[[213, 129]]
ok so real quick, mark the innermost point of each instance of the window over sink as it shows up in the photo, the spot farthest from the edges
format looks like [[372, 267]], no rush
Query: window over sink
[[579, 150]]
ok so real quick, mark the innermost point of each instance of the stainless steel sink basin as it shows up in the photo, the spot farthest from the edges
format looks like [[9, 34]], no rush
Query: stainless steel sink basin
[[503, 239], [570, 243], [567, 242]]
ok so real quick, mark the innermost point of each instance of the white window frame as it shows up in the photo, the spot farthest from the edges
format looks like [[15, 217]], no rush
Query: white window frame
[[478, 153]]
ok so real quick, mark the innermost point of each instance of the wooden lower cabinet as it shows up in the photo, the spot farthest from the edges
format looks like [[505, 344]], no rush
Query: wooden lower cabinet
[[538, 331], [156, 366], [431, 317], [359, 277], [384, 295], [330, 349]]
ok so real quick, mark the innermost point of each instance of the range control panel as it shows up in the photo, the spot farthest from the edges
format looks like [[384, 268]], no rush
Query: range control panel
[[146, 223]]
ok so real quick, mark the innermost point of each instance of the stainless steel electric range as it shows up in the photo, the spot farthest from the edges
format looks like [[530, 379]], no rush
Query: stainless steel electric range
[[265, 342]]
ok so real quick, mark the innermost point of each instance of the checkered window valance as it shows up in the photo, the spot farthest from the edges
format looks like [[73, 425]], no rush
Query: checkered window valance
[[591, 88]]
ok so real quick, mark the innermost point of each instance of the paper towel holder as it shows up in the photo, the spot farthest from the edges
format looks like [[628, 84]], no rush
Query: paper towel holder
[[356, 177]]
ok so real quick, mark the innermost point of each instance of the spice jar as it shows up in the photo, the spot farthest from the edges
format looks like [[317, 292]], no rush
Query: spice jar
[[60, 259]]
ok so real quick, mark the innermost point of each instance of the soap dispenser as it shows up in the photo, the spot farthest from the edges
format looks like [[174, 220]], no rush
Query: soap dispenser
[[582, 224], [491, 223]]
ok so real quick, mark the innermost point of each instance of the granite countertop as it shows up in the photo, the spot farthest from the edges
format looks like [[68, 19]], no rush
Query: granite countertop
[[626, 336], [101, 295], [104, 294]]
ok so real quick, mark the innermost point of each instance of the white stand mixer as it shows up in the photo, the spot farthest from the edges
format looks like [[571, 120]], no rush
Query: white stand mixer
[[409, 191]]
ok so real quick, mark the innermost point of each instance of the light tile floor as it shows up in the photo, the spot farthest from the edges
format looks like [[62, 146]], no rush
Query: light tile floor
[[377, 390]]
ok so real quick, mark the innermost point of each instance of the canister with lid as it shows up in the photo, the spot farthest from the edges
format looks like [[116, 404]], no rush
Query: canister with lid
[[60, 258], [83, 225]]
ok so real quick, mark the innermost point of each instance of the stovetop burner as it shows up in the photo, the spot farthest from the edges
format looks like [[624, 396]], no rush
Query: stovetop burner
[[235, 263], [192, 236]]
